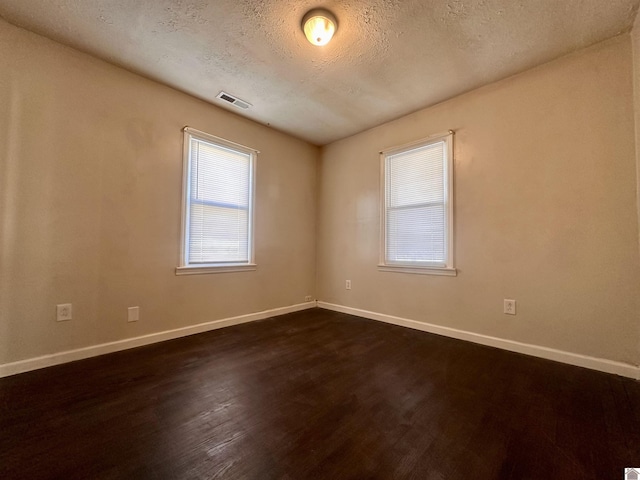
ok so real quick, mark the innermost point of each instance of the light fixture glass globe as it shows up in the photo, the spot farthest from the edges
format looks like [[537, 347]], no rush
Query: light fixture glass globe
[[319, 26]]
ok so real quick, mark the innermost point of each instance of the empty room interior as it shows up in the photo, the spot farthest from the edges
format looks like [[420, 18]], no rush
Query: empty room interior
[[339, 240]]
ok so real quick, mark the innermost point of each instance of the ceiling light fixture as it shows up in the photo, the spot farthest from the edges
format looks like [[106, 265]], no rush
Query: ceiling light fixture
[[319, 25]]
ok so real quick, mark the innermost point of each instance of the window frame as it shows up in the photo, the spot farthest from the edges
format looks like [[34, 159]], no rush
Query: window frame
[[186, 268], [424, 268]]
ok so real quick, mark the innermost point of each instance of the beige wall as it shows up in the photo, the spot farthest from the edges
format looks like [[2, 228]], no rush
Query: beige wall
[[545, 204], [90, 198], [635, 37], [90, 192]]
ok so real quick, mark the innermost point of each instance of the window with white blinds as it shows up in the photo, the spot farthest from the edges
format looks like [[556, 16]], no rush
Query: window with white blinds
[[218, 202], [417, 210]]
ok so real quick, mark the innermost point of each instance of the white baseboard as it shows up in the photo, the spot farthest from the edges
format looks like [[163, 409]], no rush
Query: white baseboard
[[95, 350], [600, 364]]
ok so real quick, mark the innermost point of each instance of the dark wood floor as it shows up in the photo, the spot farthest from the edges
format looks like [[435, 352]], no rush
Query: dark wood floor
[[318, 395]]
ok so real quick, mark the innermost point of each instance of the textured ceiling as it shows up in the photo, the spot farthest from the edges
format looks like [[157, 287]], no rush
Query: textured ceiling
[[388, 57]]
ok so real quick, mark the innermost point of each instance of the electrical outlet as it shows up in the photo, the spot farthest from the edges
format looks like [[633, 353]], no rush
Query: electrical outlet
[[509, 307], [133, 314], [308, 298], [348, 285], [64, 312]]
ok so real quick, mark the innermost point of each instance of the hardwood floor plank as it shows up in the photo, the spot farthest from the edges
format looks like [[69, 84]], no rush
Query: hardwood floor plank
[[317, 395]]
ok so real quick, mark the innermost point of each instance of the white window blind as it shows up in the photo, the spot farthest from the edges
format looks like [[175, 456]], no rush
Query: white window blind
[[218, 202], [417, 205]]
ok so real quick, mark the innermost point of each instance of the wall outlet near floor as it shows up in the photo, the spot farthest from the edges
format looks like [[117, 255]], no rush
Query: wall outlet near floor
[[133, 314], [509, 306], [308, 298], [348, 285], [64, 312]]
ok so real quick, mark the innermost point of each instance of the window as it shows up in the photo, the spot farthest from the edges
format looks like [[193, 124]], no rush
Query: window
[[417, 210], [217, 218]]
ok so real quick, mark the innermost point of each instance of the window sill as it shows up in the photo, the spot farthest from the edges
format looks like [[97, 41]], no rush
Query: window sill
[[206, 269], [444, 271]]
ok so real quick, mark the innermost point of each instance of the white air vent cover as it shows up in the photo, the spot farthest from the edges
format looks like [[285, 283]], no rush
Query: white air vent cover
[[233, 100]]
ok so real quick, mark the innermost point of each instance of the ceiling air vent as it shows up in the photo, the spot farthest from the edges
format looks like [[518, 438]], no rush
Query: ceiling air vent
[[233, 100]]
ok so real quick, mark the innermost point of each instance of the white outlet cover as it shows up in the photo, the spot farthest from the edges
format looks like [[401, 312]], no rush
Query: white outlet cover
[[133, 314], [348, 285], [64, 312], [509, 306]]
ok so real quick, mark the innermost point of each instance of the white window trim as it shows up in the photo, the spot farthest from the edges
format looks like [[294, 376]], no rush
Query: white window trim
[[215, 268], [446, 269], [205, 268]]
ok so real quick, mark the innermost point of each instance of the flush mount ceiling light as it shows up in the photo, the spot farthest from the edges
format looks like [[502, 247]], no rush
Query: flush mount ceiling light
[[319, 25]]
